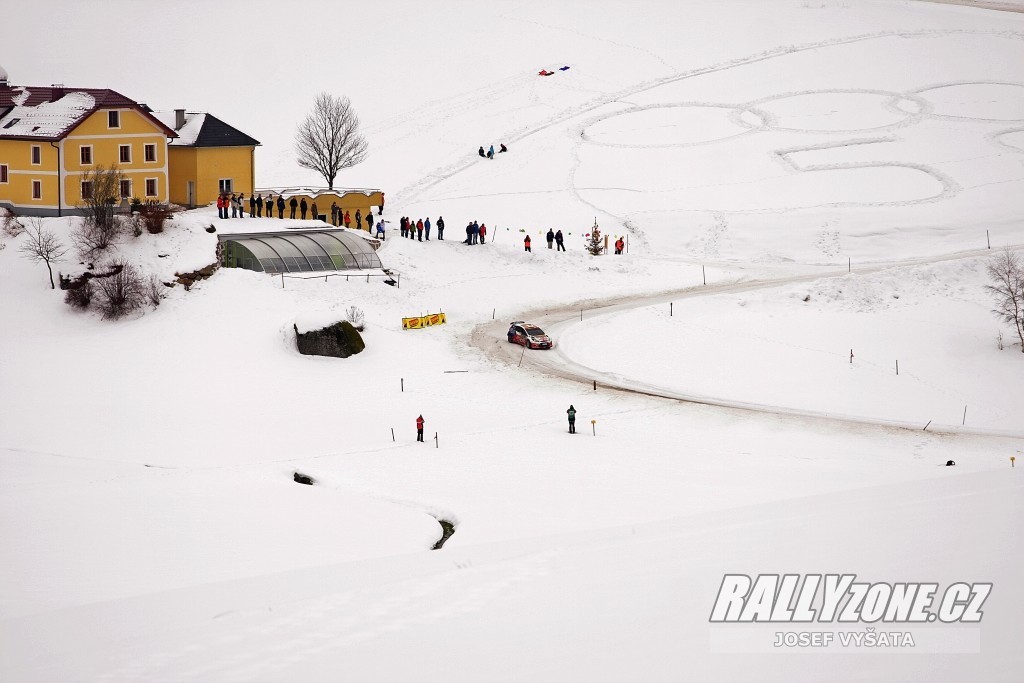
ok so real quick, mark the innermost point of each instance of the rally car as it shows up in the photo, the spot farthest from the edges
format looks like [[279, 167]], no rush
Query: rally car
[[528, 335]]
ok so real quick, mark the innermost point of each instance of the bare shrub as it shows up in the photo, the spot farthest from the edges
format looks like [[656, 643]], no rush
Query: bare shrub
[[155, 291], [100, 226], [355, 315], [12, 224], [121, 293], [41, 244], [79, 297], [154, 216]]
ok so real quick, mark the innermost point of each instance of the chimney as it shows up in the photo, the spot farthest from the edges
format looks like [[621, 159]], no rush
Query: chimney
[[56, 91], [179, 118]]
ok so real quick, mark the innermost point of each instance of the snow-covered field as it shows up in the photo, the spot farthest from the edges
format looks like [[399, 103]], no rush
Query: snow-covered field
[[834, 171]]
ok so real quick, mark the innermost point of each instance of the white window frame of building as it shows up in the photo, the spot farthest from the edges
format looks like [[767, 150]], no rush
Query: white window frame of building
[[37, 189], [4, 175], [224, 185], [36, 155], [85, 155], [113, 118], [149, 152], [156, 186], [125, 183], [124, 154], [86, 189]]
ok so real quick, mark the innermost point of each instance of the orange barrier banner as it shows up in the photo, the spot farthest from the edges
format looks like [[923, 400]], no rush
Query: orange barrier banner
[[422, 321]]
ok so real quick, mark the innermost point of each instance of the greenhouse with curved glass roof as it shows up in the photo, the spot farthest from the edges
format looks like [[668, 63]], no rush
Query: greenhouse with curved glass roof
[[299, 251]]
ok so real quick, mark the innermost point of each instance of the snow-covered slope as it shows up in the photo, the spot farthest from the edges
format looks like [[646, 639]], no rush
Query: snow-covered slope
[[151, 526]]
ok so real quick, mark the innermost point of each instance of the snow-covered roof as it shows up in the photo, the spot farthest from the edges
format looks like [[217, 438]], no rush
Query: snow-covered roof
[[204, 130], [45, 120], [314, 192]]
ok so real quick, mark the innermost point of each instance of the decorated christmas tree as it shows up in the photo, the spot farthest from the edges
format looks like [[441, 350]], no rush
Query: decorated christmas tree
[[595, 243]]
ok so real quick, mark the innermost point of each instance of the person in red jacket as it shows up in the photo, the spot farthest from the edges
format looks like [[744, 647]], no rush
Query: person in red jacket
[[347, 220], [619, 245], [526, 243], [483, 233], [419, 428], [220, 206], [419, 229]]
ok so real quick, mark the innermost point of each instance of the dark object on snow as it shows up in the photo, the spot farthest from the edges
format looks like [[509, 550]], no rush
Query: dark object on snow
[[301, 478], [950, 463], [211, 229], [563, 68], [339, 340], [503, 148], [545, 72], [481, 151]]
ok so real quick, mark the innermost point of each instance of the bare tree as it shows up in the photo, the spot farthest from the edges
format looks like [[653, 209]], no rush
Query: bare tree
[[101, 186], [42, 245], [328, 140], [1007, 274]]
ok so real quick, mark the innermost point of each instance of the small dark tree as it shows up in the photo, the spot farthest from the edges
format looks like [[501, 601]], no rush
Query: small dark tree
[[79, 297], [595, 243], [328, 139], [42, 245], [121, 293], [1007, 274]]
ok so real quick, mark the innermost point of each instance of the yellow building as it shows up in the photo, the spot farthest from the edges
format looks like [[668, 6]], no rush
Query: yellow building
[[207, 158], [52, 137]]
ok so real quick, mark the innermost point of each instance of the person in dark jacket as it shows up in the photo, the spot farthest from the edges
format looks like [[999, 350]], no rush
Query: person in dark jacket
[[559, 241], [550, 237], [476, 232], [572, 419], [440, 228], [252, 207], [241, 205], [303, 207], [315, 211], [234, 205], [469, 233], [526, 244], [402, 226], [293, 204], [369, 220], [334, 213], [380, 209], [426, 228], [419, 428], [280, 206], [359, 219], [503, 148], [259, 205], [481, 151]]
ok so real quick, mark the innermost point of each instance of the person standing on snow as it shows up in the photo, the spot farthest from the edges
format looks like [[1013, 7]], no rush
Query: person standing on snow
[[234, 205], [359, 219], [293, 204], [469, 233], [476, 232], [280, 206], [440, 227], [241, 205], [526, 244], [369, 220], [481, 151], [572, 419], [426, 228], [490, 152], [252, 206], [316, 212], [559, 241], [259, 205], [550, 237], [619, 246], [346, 219], [419, 428], [483, 233], [380, 229], [303, 208]]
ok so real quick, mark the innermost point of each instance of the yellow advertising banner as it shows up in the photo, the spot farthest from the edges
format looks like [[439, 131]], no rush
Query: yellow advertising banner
[[423, 321]]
